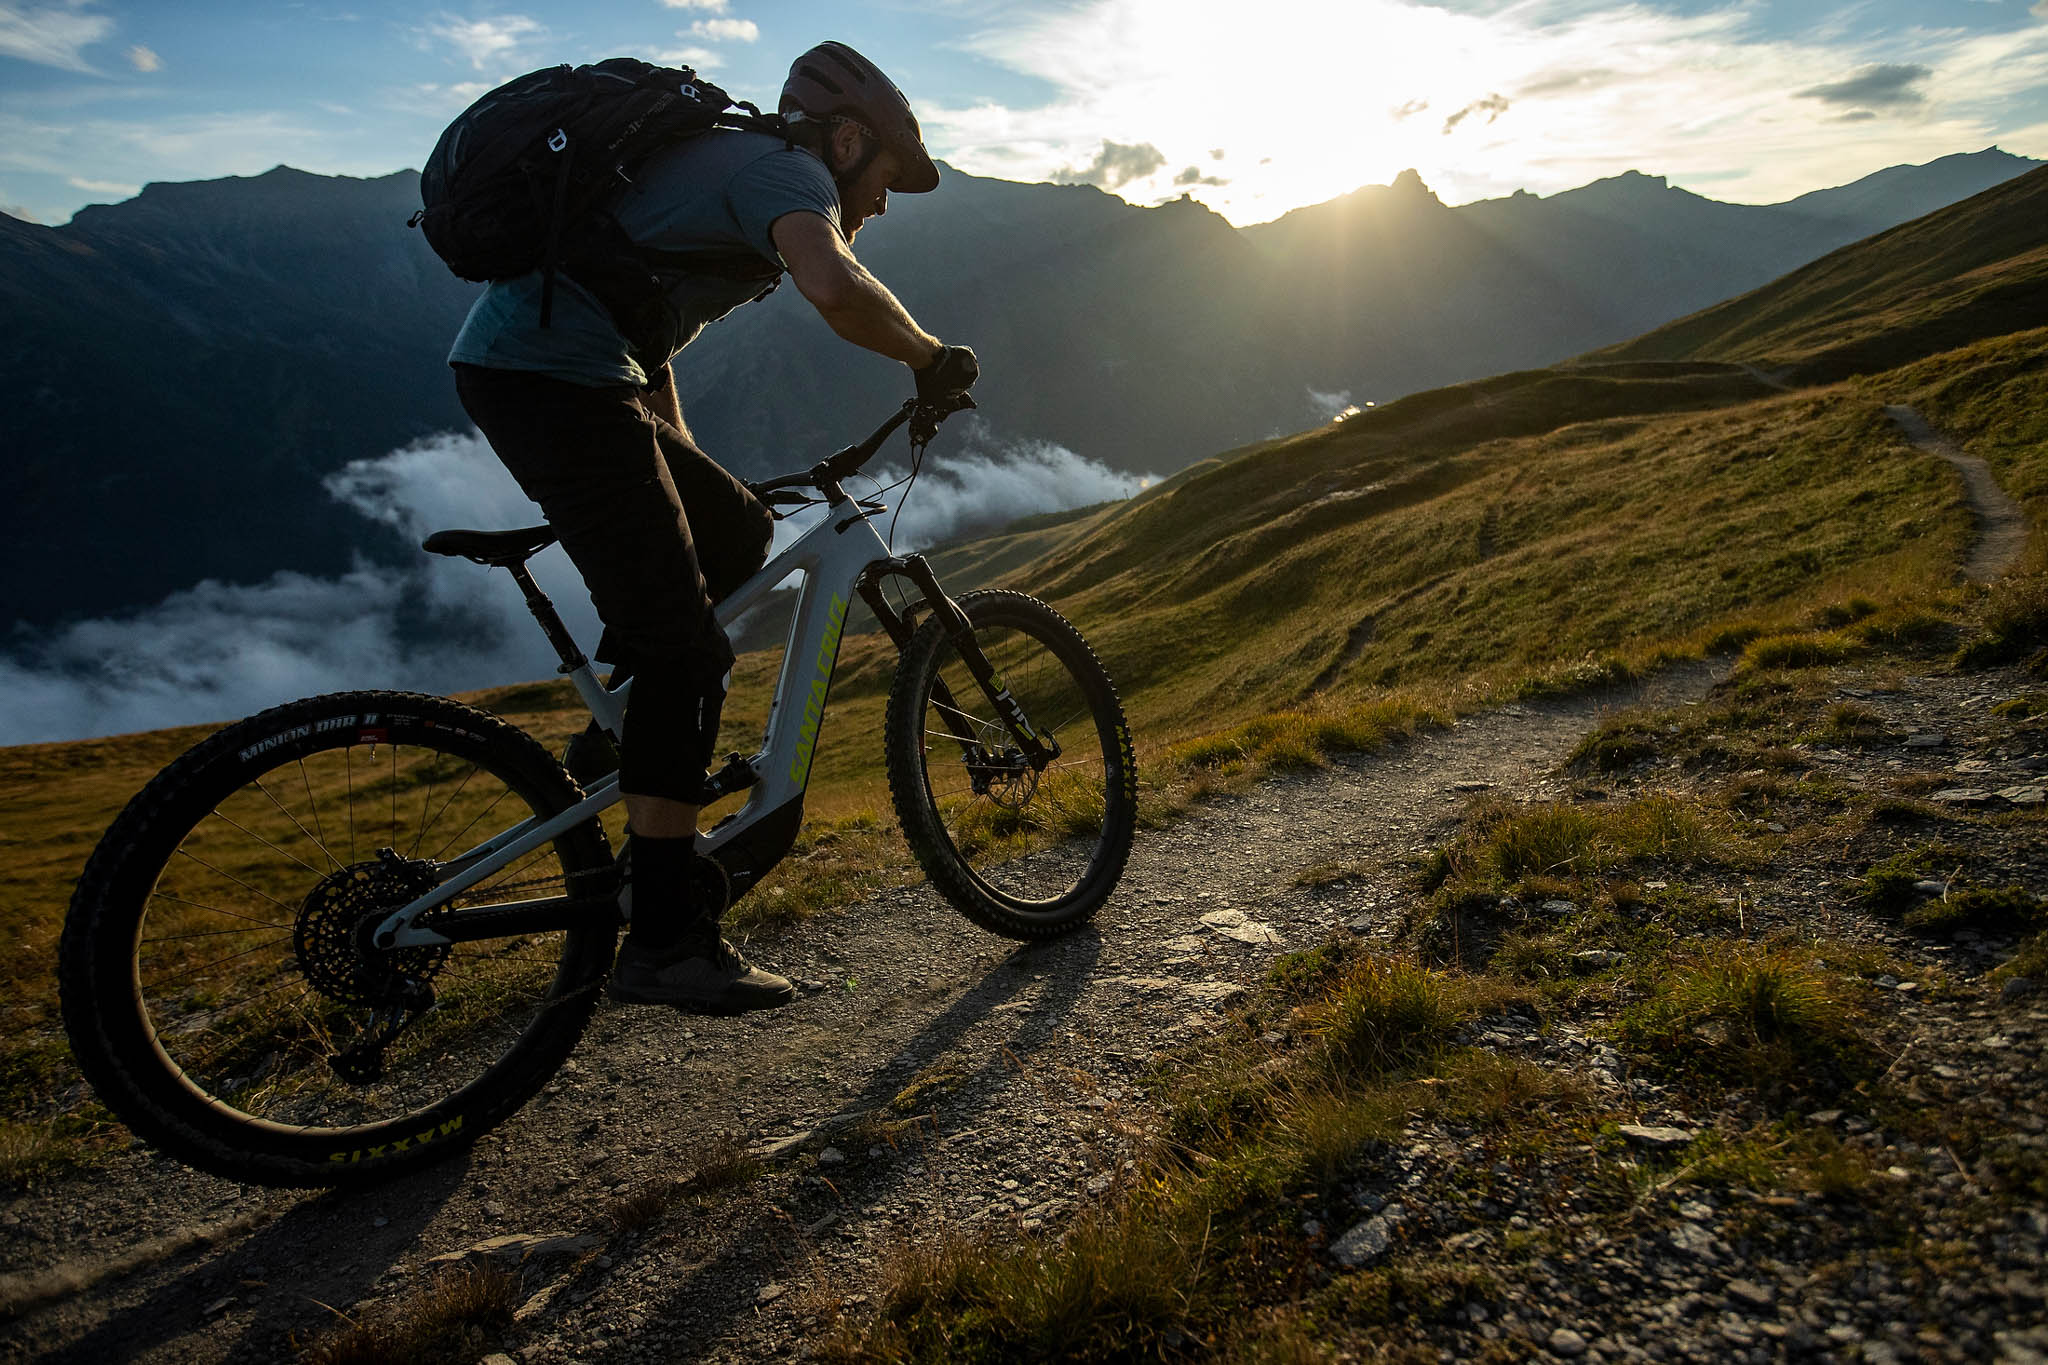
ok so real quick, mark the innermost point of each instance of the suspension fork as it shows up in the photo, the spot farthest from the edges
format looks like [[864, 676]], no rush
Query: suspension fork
[[960, 632]]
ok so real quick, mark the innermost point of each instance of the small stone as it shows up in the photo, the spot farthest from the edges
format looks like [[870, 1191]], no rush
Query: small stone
[[217, 1306], [1961, 796], [1655, 1135], [831, 1156], [1367, 1241], [1236, 924], [1558, 908], [1598, 959], [1214, 992], [1887, 981], [517, 1248], [2025, 796], [769, 1293], [1926, 741], [497, 1358], [1825, 1118], [1751, 1293], [2016, 988], [1931, 888], [1099, 1184], [1566, 1342]]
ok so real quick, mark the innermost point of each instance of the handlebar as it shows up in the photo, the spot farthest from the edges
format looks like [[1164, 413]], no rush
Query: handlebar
[[924, 419]]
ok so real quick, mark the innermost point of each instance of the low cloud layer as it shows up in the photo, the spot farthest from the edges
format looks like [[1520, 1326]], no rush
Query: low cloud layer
[[216, 651]]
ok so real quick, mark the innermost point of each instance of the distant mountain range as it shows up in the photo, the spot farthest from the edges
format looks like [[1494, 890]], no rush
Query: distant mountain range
[[181, 370]]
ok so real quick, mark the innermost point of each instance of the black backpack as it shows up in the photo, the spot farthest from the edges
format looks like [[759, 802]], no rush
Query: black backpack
[[524, 180]]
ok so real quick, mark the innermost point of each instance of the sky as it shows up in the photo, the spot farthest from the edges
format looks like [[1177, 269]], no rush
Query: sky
[[1253, 109]]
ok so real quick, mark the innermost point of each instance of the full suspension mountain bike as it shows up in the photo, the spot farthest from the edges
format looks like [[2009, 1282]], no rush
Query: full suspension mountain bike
[[349, 935]]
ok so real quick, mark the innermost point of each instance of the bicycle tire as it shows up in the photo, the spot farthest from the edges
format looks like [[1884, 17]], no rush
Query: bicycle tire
[[212, 963], [986, 829]]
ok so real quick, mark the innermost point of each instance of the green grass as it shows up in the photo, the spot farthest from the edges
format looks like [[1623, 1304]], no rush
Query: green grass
[[1753, 1015]]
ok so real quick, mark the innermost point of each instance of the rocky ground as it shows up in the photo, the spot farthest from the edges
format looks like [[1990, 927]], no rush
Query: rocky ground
[[1025, 1060], [936, 1080]]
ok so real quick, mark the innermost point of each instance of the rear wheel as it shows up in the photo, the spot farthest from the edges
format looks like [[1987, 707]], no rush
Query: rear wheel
[[1023, 851], [220, 986]]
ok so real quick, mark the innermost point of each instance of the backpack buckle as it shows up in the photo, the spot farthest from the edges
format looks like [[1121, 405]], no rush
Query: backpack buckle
[[557, 142]]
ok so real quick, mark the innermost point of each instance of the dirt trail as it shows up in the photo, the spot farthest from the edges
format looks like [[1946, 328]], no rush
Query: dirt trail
[[1028, 1053], [2001, 526]]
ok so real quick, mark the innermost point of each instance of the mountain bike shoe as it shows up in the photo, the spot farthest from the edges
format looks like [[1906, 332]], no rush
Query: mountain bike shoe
[[696, 981]]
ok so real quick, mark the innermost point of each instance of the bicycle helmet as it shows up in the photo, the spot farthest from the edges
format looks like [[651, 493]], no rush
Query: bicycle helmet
[[832, 81]]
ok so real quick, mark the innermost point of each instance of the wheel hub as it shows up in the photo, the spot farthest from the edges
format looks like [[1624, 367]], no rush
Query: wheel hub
[[1001, 771], [332, 933]]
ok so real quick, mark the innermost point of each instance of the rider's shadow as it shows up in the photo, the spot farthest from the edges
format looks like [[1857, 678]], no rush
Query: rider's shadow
[[273, 1265], [1065, 965]]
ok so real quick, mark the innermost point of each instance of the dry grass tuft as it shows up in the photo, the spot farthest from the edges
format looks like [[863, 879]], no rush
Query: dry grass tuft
[[458, 1315]]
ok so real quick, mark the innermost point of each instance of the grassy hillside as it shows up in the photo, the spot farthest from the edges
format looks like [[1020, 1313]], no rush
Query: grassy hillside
[[1978, 269], [1535, 531]]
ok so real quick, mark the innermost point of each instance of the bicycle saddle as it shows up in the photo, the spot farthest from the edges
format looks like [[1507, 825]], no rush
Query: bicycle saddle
[[496, 548]]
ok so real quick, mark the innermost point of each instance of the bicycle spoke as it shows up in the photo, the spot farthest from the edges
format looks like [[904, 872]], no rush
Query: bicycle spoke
[[267, 844], [284, 811]]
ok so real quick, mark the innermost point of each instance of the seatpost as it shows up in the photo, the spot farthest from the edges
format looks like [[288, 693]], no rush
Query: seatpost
[[550, 621]]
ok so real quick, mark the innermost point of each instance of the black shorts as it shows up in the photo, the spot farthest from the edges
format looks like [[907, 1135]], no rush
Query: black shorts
[[658, 529]]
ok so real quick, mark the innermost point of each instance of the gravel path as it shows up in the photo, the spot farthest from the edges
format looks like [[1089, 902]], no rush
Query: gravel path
[[2001, 526], [1026, 1055]]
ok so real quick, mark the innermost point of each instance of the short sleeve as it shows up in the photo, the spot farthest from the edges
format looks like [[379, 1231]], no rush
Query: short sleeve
[[786, 181]]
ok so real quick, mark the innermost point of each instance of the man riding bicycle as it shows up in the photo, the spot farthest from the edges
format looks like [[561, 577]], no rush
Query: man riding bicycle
[[581, 406]]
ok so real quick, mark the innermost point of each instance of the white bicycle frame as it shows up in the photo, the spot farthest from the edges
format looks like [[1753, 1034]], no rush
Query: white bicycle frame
[[832, 556]]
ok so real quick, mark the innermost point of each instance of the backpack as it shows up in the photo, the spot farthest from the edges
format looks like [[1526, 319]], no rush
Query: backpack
[[524, 179]]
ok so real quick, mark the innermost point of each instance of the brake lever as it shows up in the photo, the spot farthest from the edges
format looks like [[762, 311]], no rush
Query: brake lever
[[924, 423]]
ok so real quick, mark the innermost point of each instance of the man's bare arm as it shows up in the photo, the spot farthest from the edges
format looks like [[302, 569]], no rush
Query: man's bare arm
[[853, 302]]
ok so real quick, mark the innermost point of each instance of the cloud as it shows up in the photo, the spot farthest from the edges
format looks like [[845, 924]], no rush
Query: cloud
[[992, 481], [217, 651], [104, 186], [711, 6], [1193, 176], [1411, 109], [1115, 165], [2040, 9], [703, 58], [483, 41], [51, 35], [1493, 106], [725, 30], [1597, 87], [19, 212], [1874, 86], [144, 59]]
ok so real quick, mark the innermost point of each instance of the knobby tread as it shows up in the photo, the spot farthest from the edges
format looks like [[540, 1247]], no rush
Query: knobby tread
[[114, 1043], [903, 741]]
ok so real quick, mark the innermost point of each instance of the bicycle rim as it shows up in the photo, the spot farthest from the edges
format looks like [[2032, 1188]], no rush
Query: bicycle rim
[[251, 971], [1030, 839]]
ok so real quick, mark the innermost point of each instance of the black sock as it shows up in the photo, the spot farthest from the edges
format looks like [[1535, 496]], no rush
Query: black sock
[[664, 906]]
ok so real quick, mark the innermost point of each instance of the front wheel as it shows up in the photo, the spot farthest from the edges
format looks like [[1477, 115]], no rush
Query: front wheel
[[1022, 850], [221, 988]]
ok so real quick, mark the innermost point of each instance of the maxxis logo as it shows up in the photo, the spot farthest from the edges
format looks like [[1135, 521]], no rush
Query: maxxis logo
[[397, 1145]]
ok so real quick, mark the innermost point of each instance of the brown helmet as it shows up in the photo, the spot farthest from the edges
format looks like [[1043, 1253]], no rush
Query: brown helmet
[[833, 81]]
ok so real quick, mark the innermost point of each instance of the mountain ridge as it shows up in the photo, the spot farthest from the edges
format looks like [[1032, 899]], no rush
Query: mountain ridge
[[263, 331]]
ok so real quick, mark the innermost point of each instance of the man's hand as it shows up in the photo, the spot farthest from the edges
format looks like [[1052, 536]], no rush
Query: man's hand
[[953, 371]]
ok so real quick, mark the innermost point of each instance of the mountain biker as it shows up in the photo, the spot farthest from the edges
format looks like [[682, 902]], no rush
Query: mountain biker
[[589, 425]]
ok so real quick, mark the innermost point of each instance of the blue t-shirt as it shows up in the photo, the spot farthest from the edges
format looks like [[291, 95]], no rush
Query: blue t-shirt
[[720, 189]]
